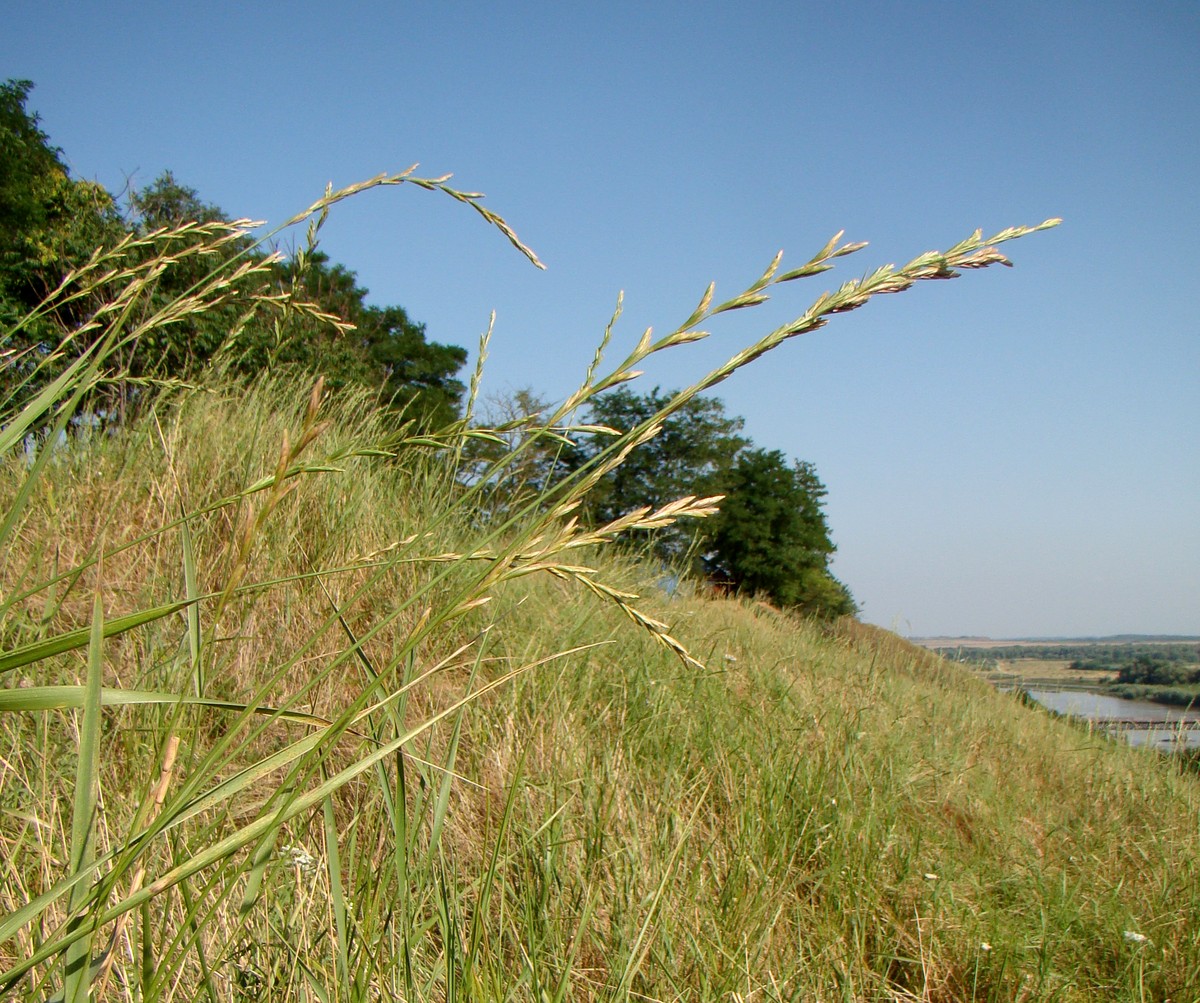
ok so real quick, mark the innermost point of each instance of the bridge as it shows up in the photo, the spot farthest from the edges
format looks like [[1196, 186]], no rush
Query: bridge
[[1136, 724]]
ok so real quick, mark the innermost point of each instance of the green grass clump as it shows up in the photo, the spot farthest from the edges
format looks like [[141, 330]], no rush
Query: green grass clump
[[288, 713]]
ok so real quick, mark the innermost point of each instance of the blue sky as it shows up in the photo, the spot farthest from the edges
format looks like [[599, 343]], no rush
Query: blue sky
[[1013, 454]]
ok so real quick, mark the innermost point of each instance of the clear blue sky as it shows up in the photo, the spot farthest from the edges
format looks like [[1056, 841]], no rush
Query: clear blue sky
[[1016, 453]]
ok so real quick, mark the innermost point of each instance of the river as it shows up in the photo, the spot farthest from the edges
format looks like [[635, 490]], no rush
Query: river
[[1142, 722]]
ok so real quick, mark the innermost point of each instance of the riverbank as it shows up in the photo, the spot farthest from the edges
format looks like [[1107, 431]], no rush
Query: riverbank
[[1138, 722], [1086, 666]]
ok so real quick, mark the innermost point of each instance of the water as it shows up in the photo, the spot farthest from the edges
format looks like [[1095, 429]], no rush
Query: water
[[1161, 722]]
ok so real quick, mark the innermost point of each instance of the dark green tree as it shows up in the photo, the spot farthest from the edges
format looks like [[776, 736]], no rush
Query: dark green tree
[[49, 224], [415, 375], [386, 351], [1157, 670], [770, 536], [166, 203], [688, 457], [188, 345]]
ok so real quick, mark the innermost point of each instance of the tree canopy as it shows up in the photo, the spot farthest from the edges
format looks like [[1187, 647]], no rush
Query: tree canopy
[[688, 457], [51, 223], [48, 223], [770, 536]]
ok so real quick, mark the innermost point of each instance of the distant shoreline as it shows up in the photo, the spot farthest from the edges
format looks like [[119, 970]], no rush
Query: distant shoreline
[[936, 642]]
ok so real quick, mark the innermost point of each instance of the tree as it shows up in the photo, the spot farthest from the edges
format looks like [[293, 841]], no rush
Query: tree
[[688, 457], [26, 158], [386, 351], [189, 344], [49, 224], [770, 536], [1157, 670], [415, 375]]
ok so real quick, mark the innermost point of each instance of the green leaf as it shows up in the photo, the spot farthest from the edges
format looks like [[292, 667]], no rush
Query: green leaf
[[70, 641], [77, 982], [26, 699], [193, 612]]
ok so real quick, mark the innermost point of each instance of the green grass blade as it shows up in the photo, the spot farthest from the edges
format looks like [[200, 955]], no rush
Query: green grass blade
[[77, 982], [479, 915], [442, 804], [333, 859], [192, 590], [33, 412], [75, 697], [641, 945], [17, 505], [72, 640], [261, 828]]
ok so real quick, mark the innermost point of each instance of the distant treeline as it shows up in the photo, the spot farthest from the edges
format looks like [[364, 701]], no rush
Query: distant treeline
[[1148, 663], [1174, 696]]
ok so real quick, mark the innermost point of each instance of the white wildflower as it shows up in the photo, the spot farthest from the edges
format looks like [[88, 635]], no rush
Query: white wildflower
[[299, 857], [985, 947], [1136, 938]]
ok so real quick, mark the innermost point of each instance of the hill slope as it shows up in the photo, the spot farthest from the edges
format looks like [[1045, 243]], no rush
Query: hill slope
[[806, 811]]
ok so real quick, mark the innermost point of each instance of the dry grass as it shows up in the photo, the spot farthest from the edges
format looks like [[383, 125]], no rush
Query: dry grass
[[354, 730]]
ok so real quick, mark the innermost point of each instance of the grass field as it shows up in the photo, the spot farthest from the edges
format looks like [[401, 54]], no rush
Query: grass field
[[816, 812], [291, 710], [1054, 671]]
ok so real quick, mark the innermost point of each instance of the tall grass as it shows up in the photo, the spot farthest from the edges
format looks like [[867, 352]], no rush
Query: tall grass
[[288, 712]]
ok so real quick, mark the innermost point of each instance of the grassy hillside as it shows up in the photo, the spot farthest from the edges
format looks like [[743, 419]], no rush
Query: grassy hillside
[[818, 812], [292, 708]]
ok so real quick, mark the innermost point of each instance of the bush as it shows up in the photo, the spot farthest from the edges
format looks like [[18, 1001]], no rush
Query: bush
[[1154, 671]]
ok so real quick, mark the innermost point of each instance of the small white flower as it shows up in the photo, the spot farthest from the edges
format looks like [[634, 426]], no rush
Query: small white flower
[[299, 857], [1136, 938], [985, 947]]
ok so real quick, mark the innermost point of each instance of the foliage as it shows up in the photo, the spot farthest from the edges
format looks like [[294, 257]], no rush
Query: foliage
[[1170, 695], [1100, 655], [1158, 670], [688, 456], [770, 536], [385, 351], [171, 221], [379, 348], [49, 225]]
